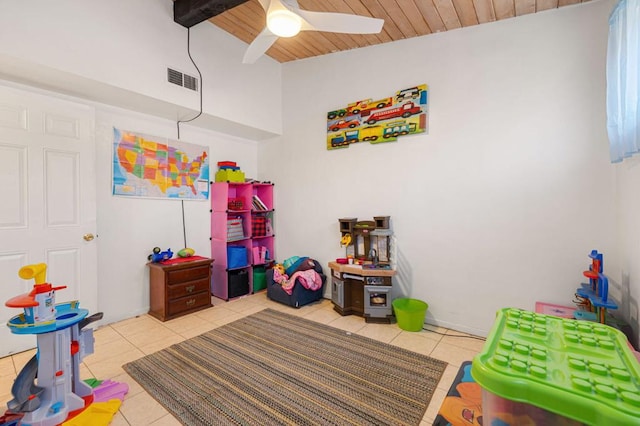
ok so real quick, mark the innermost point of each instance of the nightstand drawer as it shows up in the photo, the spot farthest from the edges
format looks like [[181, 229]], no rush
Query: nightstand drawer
[[189, 302], [189, 288], [187, 274]]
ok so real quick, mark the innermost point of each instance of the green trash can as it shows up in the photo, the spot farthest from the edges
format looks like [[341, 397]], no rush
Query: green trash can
[[410, 313]]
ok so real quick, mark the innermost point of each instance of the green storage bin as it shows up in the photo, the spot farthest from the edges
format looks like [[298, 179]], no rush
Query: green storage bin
[[557, 371], [410, 313], [228, 175], [259, 279]]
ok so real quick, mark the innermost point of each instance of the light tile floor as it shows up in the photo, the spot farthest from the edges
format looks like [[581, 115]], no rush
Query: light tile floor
[[119, 343]]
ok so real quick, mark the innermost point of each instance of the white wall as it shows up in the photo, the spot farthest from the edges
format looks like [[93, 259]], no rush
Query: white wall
[[501, 202], [129, 228], [628, 232], [497, 206], [118, 51]]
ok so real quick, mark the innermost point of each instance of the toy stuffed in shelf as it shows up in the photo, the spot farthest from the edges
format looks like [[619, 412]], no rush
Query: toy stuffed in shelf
[[158, 255]]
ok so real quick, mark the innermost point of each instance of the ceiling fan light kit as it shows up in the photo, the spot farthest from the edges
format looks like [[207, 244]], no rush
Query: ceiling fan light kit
[[284, 23], [286, 19]]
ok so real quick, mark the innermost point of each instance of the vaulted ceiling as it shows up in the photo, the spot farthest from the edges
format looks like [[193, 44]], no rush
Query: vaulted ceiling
[[403, 19]]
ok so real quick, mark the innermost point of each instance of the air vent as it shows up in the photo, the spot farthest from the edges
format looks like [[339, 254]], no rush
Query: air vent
[[174, 76], [190, 82], [184, 80]]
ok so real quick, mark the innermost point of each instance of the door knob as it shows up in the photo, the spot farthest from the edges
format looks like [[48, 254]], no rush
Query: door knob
[[88, 237]]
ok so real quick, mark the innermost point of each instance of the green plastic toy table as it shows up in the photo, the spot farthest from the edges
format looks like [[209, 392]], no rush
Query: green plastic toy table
[[560, 368]]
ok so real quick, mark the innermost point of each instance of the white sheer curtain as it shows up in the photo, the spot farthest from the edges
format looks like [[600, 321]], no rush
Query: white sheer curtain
[[623, 80]]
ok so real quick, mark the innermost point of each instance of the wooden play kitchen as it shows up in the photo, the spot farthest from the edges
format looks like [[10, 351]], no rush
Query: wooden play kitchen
[[361, 282], [363, 292]]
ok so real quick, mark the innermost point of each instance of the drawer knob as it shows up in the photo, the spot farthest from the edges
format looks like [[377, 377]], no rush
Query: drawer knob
[[191, 302], [190, 288]]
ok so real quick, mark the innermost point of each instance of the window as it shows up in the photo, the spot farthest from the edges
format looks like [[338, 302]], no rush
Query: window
[[623, 78]]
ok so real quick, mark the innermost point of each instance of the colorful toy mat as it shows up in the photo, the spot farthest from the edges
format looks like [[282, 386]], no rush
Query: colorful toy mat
[[463, 407], [107, 398], [463, 404]]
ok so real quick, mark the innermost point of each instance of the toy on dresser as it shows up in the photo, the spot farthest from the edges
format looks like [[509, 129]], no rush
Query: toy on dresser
[[158, 255]]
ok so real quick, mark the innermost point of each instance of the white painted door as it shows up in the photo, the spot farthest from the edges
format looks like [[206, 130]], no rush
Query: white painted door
[[47, 201]]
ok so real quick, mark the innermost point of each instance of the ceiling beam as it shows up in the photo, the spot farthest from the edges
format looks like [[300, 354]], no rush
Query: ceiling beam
[[191, 12]]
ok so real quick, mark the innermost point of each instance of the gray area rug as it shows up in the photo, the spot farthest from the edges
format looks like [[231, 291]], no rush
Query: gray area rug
[[272, 368]]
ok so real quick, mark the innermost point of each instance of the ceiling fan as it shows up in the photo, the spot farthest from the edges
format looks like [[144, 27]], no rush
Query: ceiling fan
[[286, 19]]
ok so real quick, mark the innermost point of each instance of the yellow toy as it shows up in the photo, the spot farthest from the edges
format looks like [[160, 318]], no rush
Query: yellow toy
[[98, 413], [278, 274]]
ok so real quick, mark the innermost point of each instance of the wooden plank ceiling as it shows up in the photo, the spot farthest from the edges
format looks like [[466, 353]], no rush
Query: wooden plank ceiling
[[402, 19]]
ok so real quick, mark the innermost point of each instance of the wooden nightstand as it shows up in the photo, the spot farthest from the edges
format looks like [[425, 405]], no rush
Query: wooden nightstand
[[178, 289]]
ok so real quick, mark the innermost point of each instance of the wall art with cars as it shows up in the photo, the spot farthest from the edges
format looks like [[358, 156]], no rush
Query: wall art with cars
[[377, 121]]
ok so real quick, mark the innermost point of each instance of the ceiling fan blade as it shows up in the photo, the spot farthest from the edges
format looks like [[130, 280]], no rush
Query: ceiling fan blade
[[339, 22], [291, 5], [265, 4], [259, 46]]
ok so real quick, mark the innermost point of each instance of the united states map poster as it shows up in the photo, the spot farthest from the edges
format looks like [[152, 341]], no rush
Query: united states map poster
[[155, 167]]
